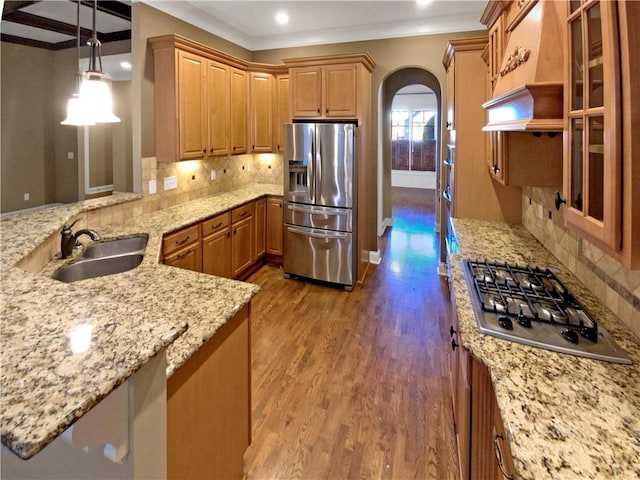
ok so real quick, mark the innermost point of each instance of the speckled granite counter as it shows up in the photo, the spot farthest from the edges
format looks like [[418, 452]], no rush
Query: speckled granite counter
[[133, 316], [566, 417]]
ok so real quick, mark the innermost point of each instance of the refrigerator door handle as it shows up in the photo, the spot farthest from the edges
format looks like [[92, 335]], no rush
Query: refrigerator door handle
[[317, 234], [316, 210], [311, 166], [318, 159]]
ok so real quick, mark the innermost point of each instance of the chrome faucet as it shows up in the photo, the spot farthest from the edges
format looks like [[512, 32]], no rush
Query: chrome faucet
[[68, 239]]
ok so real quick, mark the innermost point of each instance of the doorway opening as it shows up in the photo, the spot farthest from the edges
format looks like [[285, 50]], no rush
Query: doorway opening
[[409, 147], [413, 137]]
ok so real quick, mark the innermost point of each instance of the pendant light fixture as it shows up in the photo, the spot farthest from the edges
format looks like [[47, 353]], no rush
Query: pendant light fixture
[[93, 102]]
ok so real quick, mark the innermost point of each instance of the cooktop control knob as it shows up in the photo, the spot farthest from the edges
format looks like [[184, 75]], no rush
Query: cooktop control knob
[[505, 322], [524, 321], [569, 335]]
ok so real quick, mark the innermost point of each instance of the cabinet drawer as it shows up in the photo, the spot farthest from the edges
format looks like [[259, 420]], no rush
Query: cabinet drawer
[[215, 224], [240, 213], [179, 239]]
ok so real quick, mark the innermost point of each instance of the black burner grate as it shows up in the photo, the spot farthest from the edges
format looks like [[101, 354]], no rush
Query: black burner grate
[[529, 294]]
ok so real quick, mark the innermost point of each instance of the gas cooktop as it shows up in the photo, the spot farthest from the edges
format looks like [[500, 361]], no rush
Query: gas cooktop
[[531, 306]]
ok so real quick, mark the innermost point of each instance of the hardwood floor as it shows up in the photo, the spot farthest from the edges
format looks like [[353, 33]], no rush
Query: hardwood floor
[[356, 385]]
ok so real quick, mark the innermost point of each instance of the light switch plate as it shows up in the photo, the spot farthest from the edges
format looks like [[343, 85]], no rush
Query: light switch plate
[[170, 183], [213, 175], [70, 155], [152, 187]]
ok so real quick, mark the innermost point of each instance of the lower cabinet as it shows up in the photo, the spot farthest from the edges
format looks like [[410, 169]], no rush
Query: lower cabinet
[[209, 406], [242, 238], [182, 249], [483, 450], [230, 244], [216, 245], [275, 225]]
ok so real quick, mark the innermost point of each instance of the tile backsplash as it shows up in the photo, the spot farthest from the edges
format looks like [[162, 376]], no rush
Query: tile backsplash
[[615, 286], [194, 177]]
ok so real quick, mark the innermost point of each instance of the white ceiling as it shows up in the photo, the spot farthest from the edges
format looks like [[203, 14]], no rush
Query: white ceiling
[[251, 24]]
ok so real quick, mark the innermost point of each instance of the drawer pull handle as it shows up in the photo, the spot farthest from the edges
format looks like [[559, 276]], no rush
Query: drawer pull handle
[[453, 344], [182, 255], [217, 225], [183, 241], [498, 453], [243, 213]]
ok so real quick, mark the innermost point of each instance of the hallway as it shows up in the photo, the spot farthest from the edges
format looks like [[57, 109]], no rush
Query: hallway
[[356, 385]]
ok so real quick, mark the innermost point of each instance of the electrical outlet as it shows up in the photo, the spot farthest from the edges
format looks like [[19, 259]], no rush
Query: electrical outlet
[[152, 187], [26, 197], [70, 155], [213, 175], [170, 183], [248, 167]]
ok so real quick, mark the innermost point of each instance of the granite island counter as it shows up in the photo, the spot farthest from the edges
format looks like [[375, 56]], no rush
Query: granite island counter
[[133, 316], [566, 417]]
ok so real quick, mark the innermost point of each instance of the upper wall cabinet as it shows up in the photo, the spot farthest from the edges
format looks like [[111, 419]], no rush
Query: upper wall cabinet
[[261, 108], [282, 110], [328, 88], [602, 153], [239, 111]]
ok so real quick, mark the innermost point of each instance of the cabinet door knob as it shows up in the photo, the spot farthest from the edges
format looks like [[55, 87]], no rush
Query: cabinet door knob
[[496, 168], [453, 344], [204, 150], [318, 110], [326, 110], [235, 231], [451, 331], [559, 200]]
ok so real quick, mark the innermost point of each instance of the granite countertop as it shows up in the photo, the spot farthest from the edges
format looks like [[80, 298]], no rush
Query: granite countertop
[[132, 316], [566, 417]]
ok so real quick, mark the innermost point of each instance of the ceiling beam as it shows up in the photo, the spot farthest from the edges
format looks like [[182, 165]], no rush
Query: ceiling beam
[[24, 18], [10, 7], [28, 41]]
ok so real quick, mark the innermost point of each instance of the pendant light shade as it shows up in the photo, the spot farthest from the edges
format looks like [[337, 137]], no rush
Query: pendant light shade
[[93, 102], [96, 95], [77, 113]]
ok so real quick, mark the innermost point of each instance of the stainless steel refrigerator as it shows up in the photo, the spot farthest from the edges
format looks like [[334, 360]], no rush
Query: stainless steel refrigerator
[[320, 215]]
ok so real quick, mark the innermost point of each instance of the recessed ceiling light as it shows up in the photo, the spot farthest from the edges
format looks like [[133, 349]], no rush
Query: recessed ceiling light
[[423, 3], [125, 65], [282, 18]]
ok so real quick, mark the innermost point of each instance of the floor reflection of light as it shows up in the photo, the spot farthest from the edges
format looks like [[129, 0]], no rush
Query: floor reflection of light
[[395, 267], [423, 244]]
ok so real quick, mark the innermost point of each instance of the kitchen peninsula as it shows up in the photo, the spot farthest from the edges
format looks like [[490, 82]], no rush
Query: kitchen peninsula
[[134, 315]]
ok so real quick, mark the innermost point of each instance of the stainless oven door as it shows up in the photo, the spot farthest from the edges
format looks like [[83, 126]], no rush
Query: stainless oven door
[[319, 254]]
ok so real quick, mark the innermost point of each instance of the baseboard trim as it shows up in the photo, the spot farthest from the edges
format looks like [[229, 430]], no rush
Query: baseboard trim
[[386, 222], [442, 269], [374, 257]]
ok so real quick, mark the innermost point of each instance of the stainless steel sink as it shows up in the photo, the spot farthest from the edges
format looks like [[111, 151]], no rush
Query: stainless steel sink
[[98, 267], [119, 246]]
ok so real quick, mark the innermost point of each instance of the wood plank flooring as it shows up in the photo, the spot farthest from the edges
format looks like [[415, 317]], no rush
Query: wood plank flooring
[[356, 385]]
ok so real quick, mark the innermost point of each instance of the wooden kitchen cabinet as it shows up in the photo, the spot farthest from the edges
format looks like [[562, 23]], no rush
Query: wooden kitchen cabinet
[[209, 406], [218, 108], [282, 112], [242, 238], [601, 172], [216, 245], [191, 96], [275, 226], [182, 249], [261, 108], [239, 111], [483, 449], [325, 91], [472, 191], [260, 224]]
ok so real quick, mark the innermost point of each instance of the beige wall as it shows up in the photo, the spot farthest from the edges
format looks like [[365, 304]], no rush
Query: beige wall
[[34, 144]]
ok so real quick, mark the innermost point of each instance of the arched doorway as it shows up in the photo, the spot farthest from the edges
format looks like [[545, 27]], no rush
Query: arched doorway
[[390, 86]]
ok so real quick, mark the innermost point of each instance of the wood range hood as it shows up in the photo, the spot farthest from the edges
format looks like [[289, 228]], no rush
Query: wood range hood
[[528, 94]]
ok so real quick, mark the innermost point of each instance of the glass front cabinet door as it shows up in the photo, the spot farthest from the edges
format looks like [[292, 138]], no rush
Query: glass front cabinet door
[[592, 156]]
